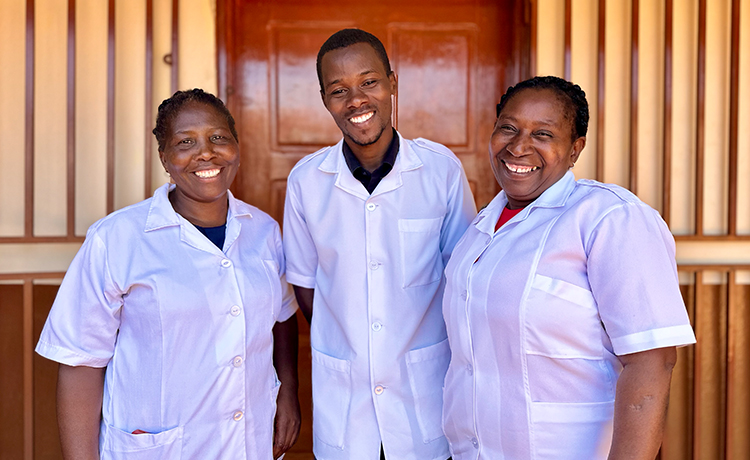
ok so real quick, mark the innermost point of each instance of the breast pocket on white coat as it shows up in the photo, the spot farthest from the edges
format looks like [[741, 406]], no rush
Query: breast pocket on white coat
[[421, 261], [427, 367], [332, 395], [121, 445]]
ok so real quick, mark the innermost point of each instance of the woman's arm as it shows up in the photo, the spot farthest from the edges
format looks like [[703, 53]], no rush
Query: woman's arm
[[305, 301], [79, 410], [641, 403], [287, 422]]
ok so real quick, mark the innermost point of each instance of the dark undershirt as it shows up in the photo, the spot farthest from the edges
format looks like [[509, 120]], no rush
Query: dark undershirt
[[370, 180], [215, 234]]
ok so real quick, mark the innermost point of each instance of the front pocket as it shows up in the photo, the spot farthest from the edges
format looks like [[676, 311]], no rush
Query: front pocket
[[572, 431], [426, 368], [121, 445], [421, 260], [562, 320], [332, 394]]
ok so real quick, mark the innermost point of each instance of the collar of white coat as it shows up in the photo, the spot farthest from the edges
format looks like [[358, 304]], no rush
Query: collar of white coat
[[554, 197], [161, 214], [335, 163]]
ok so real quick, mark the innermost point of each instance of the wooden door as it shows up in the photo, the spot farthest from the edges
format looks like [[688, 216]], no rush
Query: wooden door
[[453, 60]]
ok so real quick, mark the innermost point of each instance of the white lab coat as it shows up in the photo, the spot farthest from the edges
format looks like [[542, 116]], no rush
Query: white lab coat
[[538, 311], [379, 348], [183, 329]]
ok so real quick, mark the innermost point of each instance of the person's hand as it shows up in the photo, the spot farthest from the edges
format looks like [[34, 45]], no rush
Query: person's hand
[[287, 421]]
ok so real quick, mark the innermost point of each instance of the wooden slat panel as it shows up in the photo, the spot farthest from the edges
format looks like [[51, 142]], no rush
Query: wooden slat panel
[[701, 118], [29, 132], [71, 123], [734, 102], [149, 99], [738, 441], [175, 76], [697, 366], [730, 358], [533, 38], [28, 371], [633, 155], [568, 33], [12, 376], [111, 107], [601, 60], [666, 207]]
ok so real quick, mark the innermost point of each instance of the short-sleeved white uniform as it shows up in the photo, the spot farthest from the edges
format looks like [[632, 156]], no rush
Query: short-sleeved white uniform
[[184, 330], [538, 311], [379, 348]]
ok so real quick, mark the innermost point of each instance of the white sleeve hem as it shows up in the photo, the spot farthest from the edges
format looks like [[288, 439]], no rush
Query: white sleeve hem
[[673, 336], [68, 357], [303, 281]]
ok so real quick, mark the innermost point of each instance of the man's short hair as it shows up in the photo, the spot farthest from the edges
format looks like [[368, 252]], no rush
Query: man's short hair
[[349, 37]]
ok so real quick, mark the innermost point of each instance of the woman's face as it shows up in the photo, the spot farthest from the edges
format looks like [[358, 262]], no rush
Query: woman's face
[[531, 147], [200, 153]]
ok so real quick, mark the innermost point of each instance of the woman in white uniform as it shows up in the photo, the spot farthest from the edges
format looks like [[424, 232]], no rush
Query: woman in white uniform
[[175, 311], [562, 303]]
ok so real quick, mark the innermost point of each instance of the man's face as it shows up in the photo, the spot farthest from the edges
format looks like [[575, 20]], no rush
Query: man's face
[[357, 92]]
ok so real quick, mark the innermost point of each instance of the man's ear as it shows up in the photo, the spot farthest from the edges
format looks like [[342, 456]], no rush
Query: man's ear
[[393, 78]]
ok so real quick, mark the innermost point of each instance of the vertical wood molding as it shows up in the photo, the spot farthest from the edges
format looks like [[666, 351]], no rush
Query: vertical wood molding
[[174, 74], [731, 320], [28, 369], [568, 33], [634, 24], [701, 118], [601, 74], [697, 325], [29, 119], [111, 107], [532, 38], [71, 122], [221, 51], [734, 94], [149, 100], [667, 126]]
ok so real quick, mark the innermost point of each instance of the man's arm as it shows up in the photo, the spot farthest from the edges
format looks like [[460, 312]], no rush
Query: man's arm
[[641, 403], [79, 410], [305, 301], [287, 421]]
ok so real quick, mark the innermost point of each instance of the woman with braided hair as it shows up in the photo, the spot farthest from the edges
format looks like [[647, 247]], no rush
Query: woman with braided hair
[[562, 301]]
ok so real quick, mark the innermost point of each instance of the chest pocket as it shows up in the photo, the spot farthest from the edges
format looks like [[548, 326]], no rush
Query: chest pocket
[[421, 261]]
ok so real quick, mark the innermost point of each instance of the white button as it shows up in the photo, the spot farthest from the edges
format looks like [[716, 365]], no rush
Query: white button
[[374, 265], [371, 206], [226, 263], [469, 369], [475, 443], [379, 390], [464, 295], [238, 416], [235, 310], [237, 361], [376, 326]]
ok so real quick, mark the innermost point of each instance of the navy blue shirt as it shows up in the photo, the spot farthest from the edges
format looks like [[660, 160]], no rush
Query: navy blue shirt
[[371, 179]]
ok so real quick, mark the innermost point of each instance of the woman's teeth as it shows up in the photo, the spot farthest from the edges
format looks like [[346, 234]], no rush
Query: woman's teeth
[[208, 173], [521, 169], [362, 118]]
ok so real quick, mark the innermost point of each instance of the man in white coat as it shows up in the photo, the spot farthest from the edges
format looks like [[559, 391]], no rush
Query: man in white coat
[[369, 225]]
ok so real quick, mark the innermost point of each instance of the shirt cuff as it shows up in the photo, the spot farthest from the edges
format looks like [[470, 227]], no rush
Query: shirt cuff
[[303, 281], [68, 357], [673, 336]]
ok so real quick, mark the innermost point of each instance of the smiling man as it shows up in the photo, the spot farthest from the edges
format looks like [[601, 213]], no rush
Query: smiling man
[[369, 224]]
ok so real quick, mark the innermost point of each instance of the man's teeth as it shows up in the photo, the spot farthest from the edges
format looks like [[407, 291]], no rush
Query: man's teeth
[[362, 118], [208, 173], [521, 169]]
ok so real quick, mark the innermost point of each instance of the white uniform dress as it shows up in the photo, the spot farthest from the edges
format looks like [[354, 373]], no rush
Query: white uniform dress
[[538, 311], [379, 348], [184, 330]]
